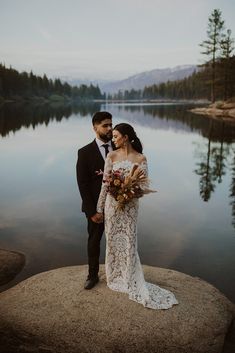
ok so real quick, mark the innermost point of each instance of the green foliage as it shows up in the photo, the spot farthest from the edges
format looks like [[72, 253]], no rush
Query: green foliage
[[214, 35], [15, 85], [218, 47], [86, 92], [227, 45], [214, 80]]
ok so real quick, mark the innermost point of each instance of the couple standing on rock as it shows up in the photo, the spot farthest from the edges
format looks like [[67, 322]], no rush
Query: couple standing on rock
[[115, 150]]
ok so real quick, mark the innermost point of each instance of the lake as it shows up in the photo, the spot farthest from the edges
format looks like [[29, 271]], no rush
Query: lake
[[188, 225]]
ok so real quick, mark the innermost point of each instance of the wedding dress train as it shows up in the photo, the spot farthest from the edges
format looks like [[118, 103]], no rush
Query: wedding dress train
[[122, 264]]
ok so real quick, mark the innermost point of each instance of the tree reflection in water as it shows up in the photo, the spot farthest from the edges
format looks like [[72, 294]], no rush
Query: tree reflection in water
[[15, 116], [212, 156], [213, 165], [232, 190]]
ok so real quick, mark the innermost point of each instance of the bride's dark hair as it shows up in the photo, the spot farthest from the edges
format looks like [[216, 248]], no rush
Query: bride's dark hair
[[127, 129]]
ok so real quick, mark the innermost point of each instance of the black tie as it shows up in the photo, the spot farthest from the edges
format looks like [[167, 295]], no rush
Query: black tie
[[106, 147]]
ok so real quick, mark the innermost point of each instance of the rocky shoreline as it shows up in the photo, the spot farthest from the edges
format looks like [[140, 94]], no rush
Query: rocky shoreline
[[224, 111], [11, 263]]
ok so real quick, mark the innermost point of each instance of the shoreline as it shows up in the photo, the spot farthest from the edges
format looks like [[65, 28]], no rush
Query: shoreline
[[11, 263], [222, 111], [63, 100]]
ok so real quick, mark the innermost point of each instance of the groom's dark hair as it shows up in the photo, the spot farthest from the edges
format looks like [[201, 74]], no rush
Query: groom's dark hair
[[98, 117]]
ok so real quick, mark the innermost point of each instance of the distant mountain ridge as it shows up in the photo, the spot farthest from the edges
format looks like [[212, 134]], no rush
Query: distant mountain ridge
[[138, 81], [148, 78]]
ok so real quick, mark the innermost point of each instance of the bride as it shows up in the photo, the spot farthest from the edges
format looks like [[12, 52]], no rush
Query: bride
[[122, 264]]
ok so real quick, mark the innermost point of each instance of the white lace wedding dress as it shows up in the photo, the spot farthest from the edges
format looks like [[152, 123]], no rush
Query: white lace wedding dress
[[122, 264]]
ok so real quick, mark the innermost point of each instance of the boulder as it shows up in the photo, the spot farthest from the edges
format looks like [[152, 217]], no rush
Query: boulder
[[232, 113], [215, 112], [199, 110], [11, 263], [228, 106], [52, 312]]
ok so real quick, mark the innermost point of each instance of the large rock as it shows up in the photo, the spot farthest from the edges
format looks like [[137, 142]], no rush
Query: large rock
[[51, 312], [228, 106], [219, 110], [232, 113], [11, 263]]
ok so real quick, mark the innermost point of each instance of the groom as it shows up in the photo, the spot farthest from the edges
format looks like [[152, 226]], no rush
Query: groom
[[89, 165]]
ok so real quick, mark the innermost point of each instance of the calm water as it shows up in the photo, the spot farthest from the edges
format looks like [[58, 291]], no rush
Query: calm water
[[189, 225]]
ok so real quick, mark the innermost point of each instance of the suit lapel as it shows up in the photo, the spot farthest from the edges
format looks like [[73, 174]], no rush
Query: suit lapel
[[97, 153]]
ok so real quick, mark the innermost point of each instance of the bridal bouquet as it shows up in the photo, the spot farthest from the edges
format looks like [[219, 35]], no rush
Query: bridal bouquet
[[124, 187]]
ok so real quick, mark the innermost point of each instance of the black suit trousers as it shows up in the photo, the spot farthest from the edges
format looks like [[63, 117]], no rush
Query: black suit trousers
[[95, 231]]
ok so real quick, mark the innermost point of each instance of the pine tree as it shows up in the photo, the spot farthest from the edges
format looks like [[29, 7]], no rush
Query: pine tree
[[212, 44], [227, 47]]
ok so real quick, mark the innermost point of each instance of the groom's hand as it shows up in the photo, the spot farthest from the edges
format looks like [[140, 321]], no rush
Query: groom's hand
[[97, 218]]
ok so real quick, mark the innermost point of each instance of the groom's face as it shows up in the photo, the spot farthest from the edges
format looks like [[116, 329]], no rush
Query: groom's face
[[104, 130]]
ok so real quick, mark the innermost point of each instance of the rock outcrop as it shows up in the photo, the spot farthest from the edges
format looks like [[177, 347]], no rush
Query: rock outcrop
[[11, 263], [51, 312], [218, 110]]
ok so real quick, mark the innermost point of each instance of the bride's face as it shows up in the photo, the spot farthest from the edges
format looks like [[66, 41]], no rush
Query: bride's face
[[118, 139]]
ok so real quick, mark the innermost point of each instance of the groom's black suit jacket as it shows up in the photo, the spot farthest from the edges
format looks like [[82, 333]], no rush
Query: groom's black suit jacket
[[89, 163]]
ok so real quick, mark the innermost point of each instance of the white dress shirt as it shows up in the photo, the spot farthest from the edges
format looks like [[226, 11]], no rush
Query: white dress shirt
[[101, 148]]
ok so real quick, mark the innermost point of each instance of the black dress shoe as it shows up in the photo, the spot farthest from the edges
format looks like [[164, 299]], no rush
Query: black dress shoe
[[91, 282]]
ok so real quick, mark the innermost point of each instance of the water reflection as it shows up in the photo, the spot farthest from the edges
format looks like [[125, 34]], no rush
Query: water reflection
[[15, 116], [212, 164], [211, 155], [186, 226], [177, 117], [232, 190]]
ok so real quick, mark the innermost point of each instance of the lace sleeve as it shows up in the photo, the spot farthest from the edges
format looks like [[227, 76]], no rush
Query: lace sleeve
[[144, 167], [103, 192]]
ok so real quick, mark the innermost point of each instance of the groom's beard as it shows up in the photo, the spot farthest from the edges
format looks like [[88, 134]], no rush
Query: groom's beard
[[106, 137]]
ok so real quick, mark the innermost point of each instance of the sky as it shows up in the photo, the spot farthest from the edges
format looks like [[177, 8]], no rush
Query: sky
[[105, 39]]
